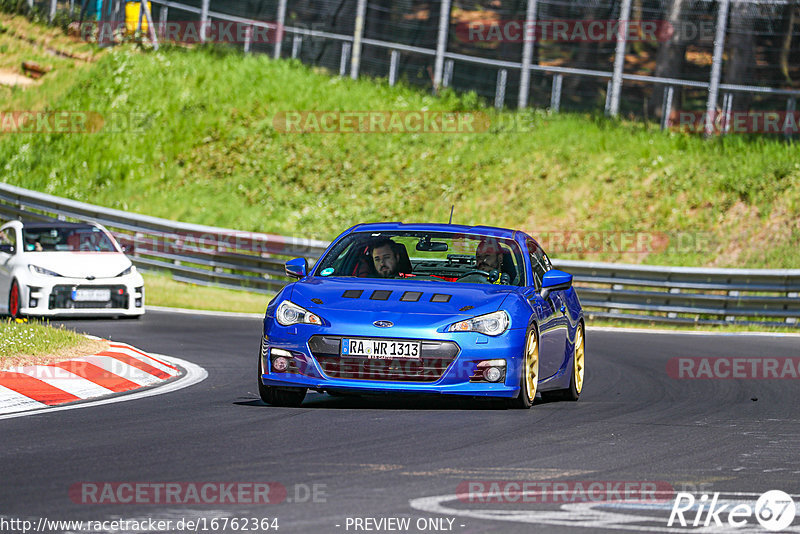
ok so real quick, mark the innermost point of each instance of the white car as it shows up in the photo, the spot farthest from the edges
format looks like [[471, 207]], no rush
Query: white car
[[61, 268]]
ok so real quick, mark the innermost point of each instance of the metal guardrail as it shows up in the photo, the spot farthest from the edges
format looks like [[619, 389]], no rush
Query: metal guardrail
[[254, 261]]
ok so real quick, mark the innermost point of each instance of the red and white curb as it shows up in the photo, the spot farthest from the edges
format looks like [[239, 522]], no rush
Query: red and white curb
[[119, 369]]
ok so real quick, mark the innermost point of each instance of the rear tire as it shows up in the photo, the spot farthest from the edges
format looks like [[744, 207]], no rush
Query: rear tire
[[529, 374], [286, 397], [13, 301], [573, 392]]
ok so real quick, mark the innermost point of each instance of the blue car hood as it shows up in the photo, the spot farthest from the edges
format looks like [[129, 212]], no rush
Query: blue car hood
[[437, 298]]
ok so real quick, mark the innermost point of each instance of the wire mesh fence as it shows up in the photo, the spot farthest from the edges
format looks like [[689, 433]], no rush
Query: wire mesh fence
[[693, 63]]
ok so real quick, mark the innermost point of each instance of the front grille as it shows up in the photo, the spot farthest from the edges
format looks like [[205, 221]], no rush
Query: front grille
[[436, 356], [61, 298]]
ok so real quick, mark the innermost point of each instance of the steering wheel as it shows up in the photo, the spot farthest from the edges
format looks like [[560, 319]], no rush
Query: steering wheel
[[471, 273]]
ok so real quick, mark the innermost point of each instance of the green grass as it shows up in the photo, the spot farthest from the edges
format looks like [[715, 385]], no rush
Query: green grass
[[24, 342], [208, 153], [161, 290]]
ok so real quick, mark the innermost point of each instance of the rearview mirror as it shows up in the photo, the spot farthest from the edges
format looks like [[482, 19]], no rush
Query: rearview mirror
[[426, 245], [297, 268], [555, 280], [7, 248]]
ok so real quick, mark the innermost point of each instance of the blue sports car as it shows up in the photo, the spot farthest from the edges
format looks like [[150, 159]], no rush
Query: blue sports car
[[425, 309]]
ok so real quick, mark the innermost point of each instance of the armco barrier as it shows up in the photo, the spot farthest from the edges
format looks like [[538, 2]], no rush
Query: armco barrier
[[219, 256]]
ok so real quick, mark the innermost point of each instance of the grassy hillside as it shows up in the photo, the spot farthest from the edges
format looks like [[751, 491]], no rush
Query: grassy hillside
[[208, 152]]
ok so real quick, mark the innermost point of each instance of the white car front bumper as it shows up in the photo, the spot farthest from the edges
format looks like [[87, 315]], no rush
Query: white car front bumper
[[51, 295]]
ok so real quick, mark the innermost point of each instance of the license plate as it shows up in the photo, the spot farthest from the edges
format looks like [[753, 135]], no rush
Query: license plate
[[92, 295], [380, 349]]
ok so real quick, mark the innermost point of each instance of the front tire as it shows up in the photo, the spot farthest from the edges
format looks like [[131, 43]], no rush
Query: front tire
[[286, 397], [529, 375]]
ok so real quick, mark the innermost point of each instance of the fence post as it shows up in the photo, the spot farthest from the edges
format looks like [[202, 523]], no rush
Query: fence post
[[297, 42], [163, 14], [52, 14], [500, 88], [203, 20], [555, 92], [529, 36], [448, 73], [248, 37], [276, 53], [727, 109], [344, 58], [393, 63], [619, 57], [791, 103], [358, 34], [666, 107], [148, 16], [716, 66], [441, 43]]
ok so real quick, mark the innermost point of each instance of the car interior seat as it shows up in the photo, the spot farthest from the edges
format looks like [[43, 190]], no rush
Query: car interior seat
[[508, 265], [403, 261]]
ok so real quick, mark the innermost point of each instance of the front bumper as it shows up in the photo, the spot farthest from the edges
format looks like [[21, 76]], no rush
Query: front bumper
[[455, 376], [55, 296]]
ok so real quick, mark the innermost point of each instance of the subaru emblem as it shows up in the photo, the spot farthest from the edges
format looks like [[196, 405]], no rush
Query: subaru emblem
[[383, 324]]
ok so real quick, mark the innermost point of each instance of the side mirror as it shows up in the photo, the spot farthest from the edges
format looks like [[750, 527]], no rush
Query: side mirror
[[555, 280], [297, 268], [7, 248]]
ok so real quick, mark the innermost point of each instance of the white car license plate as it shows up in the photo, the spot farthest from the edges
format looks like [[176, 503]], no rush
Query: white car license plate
[[380, 349], [91, 295]]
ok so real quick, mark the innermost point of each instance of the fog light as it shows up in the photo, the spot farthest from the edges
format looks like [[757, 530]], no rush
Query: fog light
[[492, 370], [492, 374], [280, 364]]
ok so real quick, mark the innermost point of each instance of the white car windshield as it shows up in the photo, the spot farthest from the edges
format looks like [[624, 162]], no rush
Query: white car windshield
[[77, 238]]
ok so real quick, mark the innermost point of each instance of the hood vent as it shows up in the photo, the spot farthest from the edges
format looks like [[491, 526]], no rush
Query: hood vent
[[380, 294], [411, 296], [439, 297], [353, 293]]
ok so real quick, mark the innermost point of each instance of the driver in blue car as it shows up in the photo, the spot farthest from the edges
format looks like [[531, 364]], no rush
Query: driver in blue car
[[384, 257]]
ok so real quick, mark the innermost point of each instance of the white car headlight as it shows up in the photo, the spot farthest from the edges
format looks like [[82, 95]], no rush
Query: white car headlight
[[289, 313], [127, 271], [35, 269], [491, 324]]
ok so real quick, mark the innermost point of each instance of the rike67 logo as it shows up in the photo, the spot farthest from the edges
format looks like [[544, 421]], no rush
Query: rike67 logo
[[774, 510]]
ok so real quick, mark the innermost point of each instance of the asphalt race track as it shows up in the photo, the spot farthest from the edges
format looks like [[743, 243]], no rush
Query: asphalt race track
[[342, 459]]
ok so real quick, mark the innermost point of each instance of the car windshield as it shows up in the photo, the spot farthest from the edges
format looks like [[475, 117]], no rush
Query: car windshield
[[426, 256], [62, 238]]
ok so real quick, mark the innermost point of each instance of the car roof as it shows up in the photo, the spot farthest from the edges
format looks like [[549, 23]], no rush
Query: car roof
[[38, 225], [435, 227]]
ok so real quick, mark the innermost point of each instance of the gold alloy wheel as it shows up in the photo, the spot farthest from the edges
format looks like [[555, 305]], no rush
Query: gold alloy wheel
[[579, 354], [532, 365]]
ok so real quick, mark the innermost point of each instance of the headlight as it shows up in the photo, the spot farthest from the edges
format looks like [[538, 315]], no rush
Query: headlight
[[289, 313], [491, 324], [38, 270], [127, 271]]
